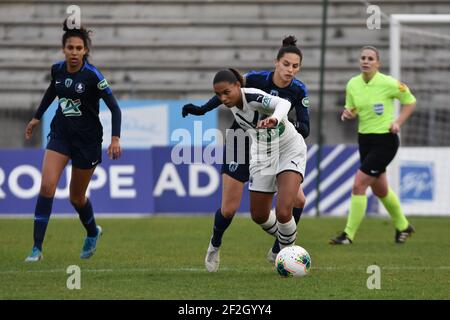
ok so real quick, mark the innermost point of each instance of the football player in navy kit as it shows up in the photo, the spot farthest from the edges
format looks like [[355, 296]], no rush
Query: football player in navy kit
[[281, 82], [75, 134]]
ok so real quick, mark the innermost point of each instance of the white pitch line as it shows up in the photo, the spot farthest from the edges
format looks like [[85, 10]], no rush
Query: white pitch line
[[225, 269]]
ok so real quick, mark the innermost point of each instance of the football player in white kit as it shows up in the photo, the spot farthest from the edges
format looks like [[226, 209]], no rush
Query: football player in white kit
[[278, 153]]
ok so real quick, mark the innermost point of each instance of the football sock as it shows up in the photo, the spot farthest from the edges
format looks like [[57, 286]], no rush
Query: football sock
[[41, 216], [86, 214], [392, 205], [270, 226], [287, 232], [358, 205], [296, 213], [220, 225]]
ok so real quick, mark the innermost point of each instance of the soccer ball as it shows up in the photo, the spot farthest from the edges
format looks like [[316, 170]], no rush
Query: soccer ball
[[293, 261]]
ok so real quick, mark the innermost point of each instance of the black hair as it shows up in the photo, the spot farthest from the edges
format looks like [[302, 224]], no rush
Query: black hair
[[81, 33], [289, 46], [229, 75], [377, 53]]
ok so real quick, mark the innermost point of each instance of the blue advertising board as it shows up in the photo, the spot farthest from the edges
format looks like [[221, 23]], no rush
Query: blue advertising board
[[417, 181], [147, 181], [121, 186]]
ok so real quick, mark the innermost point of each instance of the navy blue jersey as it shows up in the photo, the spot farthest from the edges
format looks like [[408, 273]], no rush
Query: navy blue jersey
[[77, 115], [296, 93]]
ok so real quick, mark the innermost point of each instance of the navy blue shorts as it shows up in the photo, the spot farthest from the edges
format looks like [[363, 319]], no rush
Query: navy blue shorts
[[237, 171], [238, 166], [82, 156], [376, 152]]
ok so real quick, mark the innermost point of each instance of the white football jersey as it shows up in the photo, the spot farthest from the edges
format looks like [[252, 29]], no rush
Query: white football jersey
[[258, 105]]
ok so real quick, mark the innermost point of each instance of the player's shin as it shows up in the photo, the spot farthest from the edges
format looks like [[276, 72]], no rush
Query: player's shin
[[221, 223], [41, 218], [86, 214]]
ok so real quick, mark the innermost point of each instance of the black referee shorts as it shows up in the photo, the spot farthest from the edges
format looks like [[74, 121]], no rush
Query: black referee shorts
[[376, 151]]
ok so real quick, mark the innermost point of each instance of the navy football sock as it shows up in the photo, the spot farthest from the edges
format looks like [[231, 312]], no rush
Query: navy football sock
[[296, 213], [220, 225], [41, 216], [86, 214]]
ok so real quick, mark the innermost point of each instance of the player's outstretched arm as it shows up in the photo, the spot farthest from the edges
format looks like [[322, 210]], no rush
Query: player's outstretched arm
[[190, 108]]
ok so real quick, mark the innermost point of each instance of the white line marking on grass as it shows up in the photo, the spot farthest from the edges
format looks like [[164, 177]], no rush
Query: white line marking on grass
[[193, 269], [224, 269], [335, 268]]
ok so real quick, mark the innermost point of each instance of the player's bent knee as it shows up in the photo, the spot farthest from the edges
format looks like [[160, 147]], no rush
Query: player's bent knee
[[300, 202], [283, 218], [258, 218], [47, 190], [77, 202], [228, 212], [359, 189]]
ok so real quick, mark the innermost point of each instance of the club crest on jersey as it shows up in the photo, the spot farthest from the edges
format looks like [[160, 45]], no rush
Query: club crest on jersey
[[68, 82], [266, 101], [274, 92], [378, 108], [103, 84], [79, 87], [305, 102], [70, 108]]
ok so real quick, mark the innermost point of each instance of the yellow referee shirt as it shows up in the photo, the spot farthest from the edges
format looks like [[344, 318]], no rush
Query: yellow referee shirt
[[374, 101]]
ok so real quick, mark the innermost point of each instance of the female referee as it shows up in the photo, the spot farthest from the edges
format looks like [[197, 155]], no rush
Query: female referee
[[278, 153], [370, 96], [75, 134], [281, 82]]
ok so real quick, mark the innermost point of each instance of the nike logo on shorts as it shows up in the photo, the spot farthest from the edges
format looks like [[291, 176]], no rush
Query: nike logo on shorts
[[94, 162]]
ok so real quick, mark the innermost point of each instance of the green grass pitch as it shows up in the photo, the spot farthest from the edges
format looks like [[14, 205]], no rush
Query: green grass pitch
[[162, 258]]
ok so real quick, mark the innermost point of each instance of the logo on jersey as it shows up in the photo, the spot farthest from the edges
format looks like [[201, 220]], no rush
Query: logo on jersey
[[402, 87], [233, 166], [68, 82], [266, 101], [274, 93], [70, 108], [378, 108], [102, 85], [79, 87], [305, 102]]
